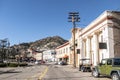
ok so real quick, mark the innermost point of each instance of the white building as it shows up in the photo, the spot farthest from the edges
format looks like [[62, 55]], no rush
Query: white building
[[49, 55], [99, 40], [104, 30]]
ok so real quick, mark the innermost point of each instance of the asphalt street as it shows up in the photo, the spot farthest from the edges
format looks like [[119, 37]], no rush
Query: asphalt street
[[57, 72], [46, 72], [22, 73]]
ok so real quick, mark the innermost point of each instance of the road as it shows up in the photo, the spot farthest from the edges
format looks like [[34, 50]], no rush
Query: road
[[48, 72], [56, 72], [23, 73]]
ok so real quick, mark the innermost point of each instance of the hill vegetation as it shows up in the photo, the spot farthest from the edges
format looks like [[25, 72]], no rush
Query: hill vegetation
[[22, 49], [45, 43]]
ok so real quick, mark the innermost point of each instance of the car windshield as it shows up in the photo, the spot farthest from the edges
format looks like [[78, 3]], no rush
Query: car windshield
[[116, 61]]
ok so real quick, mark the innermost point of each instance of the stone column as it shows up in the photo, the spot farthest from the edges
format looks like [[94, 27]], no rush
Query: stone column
[[96, 52], [88, 47], [84, 48], [91, 52]]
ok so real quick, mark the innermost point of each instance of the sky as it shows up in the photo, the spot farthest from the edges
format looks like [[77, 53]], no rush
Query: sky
[[31, 20]]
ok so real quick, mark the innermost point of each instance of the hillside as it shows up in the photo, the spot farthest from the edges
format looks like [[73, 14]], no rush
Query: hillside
[[45, 43], [48, 43]]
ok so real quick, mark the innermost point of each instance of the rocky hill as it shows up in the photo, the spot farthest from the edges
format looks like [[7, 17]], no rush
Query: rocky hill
[[48, 43], [45, 43]]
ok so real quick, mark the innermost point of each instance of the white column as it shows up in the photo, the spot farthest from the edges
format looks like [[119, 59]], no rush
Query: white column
[[81, 51], [88, 47], [91, 53], [84, 48], [96, 58]]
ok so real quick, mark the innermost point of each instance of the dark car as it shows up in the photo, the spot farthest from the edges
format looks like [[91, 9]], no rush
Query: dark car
[[1, 61], [63, 63]]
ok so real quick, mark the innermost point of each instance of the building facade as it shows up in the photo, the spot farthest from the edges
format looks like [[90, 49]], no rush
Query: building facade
[[49, 55], [75, 56], [99, 40], [63, 52]]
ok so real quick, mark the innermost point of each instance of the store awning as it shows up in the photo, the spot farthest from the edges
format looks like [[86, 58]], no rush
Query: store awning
[[65, 56]]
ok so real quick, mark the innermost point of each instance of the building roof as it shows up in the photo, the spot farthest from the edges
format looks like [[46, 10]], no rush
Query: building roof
[[65, 44]]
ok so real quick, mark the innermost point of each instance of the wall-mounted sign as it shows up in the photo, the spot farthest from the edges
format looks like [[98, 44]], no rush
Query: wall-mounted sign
[[102, 45], [78, 51]]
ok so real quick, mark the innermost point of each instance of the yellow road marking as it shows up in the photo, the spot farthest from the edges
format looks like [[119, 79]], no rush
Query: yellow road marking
[[43, 73]]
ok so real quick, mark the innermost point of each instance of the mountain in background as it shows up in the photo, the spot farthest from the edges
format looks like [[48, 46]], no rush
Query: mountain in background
[[48, 43], [45, 43]]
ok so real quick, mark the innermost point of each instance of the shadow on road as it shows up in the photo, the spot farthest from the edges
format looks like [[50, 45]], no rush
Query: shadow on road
[[9, 72]]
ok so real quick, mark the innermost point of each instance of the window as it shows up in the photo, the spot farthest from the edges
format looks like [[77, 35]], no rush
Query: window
[[116, 61], [109, 62], [66, 50], [103, 62]]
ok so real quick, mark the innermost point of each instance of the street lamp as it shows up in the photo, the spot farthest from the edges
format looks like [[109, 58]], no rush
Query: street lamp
[[74, 17]]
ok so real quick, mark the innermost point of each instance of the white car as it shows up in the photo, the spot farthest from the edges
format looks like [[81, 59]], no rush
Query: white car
[[38, 62]]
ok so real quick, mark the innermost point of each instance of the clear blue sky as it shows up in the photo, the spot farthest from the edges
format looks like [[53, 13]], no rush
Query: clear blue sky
[[31, 20]]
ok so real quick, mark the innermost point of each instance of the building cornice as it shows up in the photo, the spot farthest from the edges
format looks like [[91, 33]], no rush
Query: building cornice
[[61, 46], [107, 15]]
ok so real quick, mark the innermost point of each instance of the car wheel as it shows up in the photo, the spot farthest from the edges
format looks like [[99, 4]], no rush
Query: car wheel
[[82, 69], [95, 73], [115, 76]]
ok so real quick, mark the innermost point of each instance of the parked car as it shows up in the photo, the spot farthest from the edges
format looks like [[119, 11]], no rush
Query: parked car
[[38, 62], [42, 62], [85, 66], [1, 61], [59, 62], [108, 67], [63, 63], [56, 63]]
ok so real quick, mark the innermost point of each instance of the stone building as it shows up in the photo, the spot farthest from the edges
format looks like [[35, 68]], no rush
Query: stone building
[[101, 38]]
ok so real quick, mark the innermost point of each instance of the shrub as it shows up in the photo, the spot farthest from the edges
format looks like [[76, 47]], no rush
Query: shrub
[[23, 64], [13, 64], [3, 64]]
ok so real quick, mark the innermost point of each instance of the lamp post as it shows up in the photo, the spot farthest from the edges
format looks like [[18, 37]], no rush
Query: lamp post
[[74, 17]]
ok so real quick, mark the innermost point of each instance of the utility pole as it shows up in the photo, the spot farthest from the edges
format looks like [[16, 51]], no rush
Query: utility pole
[[74, 17]]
